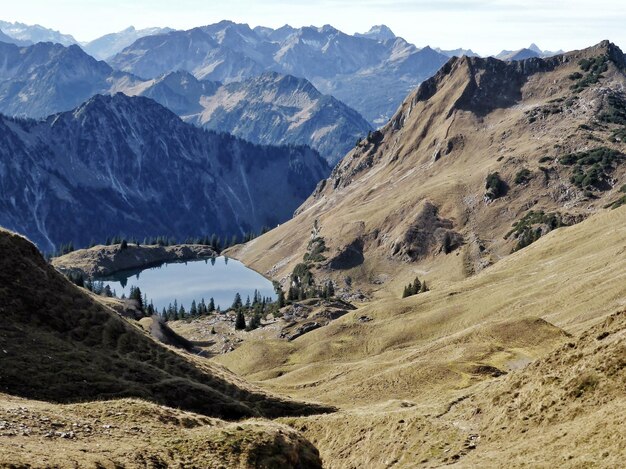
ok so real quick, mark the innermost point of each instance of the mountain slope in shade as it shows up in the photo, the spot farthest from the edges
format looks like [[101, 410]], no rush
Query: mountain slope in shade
[[269, 109], [35, 33], [110, 44], [369, 75], [127, 165]]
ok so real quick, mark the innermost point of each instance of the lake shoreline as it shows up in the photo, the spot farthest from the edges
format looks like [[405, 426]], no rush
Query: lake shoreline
[[102, 261]]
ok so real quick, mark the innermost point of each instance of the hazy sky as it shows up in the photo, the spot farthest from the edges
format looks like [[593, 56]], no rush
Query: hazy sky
[[486, 26]]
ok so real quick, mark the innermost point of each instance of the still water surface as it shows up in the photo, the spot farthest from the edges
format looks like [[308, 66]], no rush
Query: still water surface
[[220, 278]]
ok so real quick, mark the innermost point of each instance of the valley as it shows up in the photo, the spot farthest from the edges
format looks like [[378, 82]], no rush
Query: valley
[[258, 247]]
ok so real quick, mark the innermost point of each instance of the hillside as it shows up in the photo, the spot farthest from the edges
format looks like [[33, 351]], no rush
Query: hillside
[[480, 147], [369, 74], [118, 165], [85, 352], [502, 186], [398, 375]]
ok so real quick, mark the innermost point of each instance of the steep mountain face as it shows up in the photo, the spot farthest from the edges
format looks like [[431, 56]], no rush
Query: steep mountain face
[[110, 44], [268, 109], [30, 34], [127, 165], [479, 161], [45, 78], [370, 75]]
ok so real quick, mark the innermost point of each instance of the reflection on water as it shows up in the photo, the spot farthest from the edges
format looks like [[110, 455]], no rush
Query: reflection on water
[[218, 278]]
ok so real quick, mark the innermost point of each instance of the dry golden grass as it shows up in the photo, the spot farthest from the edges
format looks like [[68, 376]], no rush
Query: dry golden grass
[[59, 345], [419, 354], [377, 193], [137, 434]]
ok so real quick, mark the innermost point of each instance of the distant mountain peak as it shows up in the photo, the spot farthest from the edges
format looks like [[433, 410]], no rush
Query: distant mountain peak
[[533, 47], [379, 32]]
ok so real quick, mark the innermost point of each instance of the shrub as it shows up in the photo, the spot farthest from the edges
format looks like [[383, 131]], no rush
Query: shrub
[[495, 185], [523, 176]]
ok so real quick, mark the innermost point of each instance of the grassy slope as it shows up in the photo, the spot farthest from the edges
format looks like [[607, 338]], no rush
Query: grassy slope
[[419, 354], [92, 366], [137, 434], [381, 190]]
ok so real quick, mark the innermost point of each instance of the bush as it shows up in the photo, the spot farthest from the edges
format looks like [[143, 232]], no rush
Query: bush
[[523, 176], [495, 185]]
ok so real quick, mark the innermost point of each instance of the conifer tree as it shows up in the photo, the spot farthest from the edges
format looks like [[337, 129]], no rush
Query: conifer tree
[[237, 304], [240, 321]]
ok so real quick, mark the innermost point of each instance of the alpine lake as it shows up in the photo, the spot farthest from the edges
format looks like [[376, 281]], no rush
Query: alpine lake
[[219, 278]]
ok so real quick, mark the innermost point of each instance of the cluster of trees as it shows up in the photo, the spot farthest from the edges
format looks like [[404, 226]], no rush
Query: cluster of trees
[[174, 311], [254, 309], [97, 287], [300, 292], [414, 288], [65, 249], [215, 241]]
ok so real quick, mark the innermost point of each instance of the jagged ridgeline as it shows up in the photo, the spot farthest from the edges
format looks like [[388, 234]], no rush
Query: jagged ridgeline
[[126, 165]]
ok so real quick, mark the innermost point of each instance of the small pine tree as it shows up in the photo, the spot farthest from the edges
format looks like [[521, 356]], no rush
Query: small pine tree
[[417, 285], [211, 307], [193, 311], [240, 321], [237, 304], [424, 288]]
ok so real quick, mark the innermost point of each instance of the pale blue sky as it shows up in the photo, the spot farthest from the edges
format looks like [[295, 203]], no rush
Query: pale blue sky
[[487, 26]]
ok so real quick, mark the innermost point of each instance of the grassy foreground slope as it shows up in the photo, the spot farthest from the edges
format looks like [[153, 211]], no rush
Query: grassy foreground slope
[[59, 345], [396, 376]]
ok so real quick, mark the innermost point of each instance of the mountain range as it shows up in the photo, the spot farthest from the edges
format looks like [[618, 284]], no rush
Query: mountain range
[[31, 34], [526, 53], [46, 78], [268, 109], [110, 44], [119, 164], [369, 74]]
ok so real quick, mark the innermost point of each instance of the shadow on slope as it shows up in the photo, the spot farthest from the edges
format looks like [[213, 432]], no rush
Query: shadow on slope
[[59, 345]]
